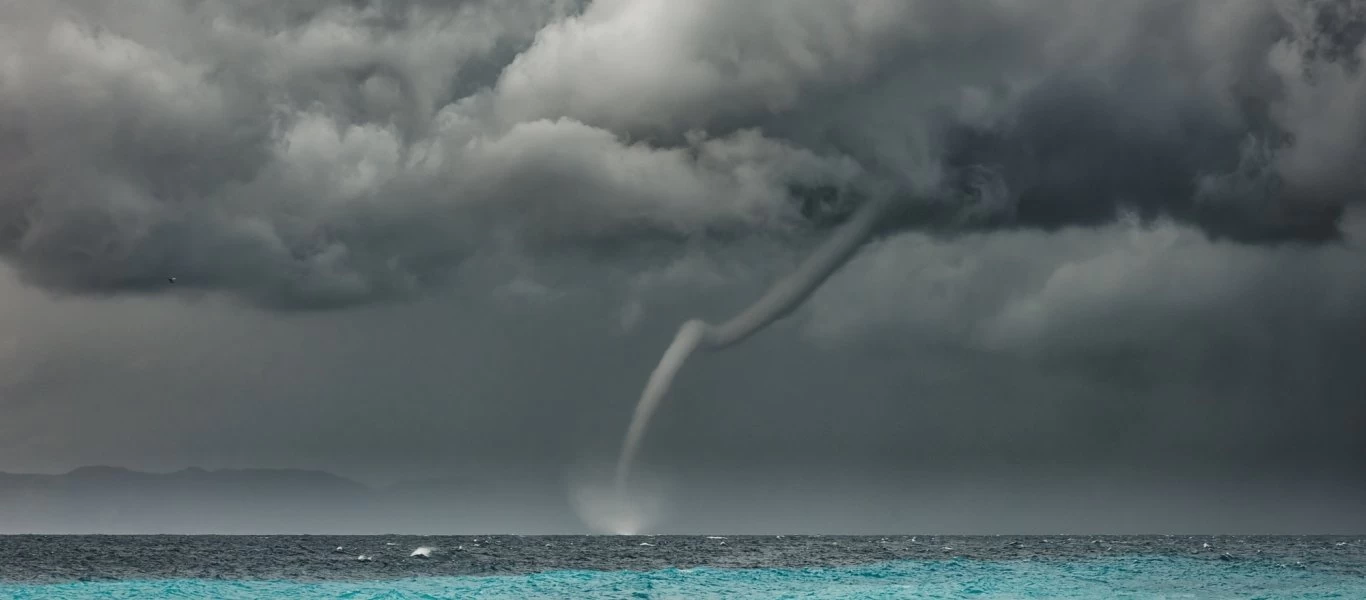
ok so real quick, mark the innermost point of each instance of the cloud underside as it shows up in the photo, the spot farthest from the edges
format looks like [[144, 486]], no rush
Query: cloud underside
[[334, 154]]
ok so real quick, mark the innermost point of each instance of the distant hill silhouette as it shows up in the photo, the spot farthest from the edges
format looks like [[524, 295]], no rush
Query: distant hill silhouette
[[103, 499], [115, 500]]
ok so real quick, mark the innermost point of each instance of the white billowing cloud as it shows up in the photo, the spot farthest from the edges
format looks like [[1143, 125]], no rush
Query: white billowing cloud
[[658, 65], [312, 163]]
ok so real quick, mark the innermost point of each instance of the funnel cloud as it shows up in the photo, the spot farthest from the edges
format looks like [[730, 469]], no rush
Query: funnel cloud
[[778, 301]]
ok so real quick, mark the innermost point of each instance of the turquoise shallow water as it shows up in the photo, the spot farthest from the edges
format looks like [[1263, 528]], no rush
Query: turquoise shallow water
[[1128, 578]]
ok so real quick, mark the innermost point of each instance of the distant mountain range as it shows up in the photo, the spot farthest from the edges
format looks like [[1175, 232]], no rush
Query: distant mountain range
[[115, 500]]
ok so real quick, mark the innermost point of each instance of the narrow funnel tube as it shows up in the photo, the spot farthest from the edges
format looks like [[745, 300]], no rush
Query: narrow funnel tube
[[781, 299]]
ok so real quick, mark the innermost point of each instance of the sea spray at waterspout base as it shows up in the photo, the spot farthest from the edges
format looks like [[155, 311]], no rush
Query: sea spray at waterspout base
[[781, 299]]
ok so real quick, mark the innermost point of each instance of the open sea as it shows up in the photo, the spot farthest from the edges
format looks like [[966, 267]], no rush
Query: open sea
[[506, 566]]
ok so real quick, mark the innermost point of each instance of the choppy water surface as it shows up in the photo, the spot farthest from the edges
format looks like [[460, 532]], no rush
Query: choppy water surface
[[681, 567]]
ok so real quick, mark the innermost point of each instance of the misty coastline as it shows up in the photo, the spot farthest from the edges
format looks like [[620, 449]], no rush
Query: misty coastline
[[114, 500], [195, 501]]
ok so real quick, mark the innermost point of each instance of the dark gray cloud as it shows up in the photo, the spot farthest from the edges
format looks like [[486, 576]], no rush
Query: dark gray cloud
[[1130, 243], [330, 153]]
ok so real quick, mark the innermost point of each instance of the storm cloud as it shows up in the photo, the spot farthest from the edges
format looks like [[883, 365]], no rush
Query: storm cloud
[[329, 154], [1127, 238]]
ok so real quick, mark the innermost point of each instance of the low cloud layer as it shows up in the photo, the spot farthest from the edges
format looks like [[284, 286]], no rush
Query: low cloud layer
[[333, 153]]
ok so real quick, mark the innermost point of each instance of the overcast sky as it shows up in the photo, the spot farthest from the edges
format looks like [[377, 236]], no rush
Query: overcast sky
[[414, 238]]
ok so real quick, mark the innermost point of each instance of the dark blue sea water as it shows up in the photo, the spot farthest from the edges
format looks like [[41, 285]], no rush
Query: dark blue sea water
[[1003, 567]]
